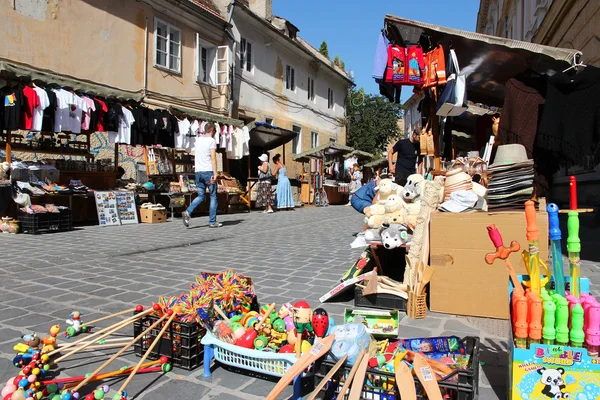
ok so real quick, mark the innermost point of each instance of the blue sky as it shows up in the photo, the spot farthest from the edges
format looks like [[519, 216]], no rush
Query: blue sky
[[350, 27]]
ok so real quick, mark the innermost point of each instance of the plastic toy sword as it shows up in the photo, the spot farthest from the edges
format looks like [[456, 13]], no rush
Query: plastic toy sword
[[555, 239], [533, 237]]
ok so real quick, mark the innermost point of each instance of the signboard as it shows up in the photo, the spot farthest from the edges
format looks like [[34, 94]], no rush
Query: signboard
[[126, 208], [116, 208]]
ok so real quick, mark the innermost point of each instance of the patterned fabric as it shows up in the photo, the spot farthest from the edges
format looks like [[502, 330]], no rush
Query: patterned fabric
[[264, 195]]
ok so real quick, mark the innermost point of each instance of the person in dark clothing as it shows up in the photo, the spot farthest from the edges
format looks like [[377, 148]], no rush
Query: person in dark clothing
[[408, 150]]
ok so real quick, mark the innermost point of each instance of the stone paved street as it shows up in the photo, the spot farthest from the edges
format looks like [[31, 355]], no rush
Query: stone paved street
[[289, 255]]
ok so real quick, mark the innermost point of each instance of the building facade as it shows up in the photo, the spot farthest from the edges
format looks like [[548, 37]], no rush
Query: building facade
[[281, 79], [571, 24]]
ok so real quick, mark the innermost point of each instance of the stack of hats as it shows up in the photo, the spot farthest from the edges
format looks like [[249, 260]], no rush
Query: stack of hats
[[463, 201], [510, 178], [456, 180]]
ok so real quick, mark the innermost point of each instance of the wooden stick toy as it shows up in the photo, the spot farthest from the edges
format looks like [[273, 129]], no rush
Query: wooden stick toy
[[101, 376], [172, 314], [426, 377], [114, 357], [138, 308], [359, 379], [117, 373], [404, 379], [362, 355], [327, 377], [318, 350]]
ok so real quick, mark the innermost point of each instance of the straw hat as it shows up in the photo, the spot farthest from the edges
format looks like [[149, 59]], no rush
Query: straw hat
[[457, 179], [510, 154]]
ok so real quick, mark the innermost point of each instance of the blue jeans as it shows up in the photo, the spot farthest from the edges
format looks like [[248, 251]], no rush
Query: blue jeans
[[363, 197], [202, 181]]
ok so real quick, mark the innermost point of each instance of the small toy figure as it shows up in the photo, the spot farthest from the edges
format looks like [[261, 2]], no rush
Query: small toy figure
[[76, 324], [302, 318], [49, 342], [320, 322]]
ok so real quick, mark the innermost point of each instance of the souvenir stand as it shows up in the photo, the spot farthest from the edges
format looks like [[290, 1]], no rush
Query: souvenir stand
[[318, 186], [264, 138], [457, 104], [361, 158]]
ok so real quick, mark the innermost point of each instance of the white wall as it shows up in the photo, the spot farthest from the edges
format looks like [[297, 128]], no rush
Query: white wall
[[269, 66]]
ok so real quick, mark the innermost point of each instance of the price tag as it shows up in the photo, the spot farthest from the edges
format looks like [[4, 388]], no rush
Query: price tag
[[427, 374], [316, 349]]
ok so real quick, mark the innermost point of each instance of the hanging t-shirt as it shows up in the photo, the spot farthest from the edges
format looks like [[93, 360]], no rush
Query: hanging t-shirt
[[61, 119], [49, 113], [237, 145], [85, 124], [123, 135], [38, 112], [13, 102], [217, 133], [76, 109], [223, 141], [246, 135], [31, 102], [204, 145], [102, 110], [182, 139]]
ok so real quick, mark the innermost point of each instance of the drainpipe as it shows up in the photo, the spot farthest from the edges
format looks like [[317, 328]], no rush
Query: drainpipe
[[145, 59], [233, 52]]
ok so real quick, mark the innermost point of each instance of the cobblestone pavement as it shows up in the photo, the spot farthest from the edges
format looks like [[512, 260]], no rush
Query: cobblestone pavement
[[289, 255]]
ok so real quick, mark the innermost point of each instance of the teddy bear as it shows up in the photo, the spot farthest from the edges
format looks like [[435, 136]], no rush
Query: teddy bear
[[393, 203], [397, 217], [411, 194], [373, 235], [386, 188], [375, 221], [393, 236]]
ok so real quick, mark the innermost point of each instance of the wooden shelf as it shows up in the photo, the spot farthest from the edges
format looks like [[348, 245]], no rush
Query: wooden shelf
[[80, 153]]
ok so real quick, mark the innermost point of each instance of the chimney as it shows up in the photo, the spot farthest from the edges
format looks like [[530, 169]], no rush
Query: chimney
[[262, 8]]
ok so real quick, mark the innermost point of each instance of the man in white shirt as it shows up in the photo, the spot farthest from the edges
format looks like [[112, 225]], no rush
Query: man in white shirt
[[206, 175]]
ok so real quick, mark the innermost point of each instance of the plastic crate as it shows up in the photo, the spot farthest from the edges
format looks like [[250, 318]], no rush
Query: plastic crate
[[379, 300], [46, 222], [466, 388], [180, 342]]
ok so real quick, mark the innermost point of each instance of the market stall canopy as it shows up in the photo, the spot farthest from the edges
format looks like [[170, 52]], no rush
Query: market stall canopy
[[206, 116], [12, 70], [320, 151], [379, 163], [268, 137], [489, 61], [360, 155]]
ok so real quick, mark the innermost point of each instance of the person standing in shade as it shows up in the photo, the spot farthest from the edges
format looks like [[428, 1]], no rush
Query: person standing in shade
[[284, 197], [206, 175], [408, 150], [264, 194], [355, 183]]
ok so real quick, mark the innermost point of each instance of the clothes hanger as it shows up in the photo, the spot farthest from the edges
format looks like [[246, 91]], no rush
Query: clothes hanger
[[576, 62]]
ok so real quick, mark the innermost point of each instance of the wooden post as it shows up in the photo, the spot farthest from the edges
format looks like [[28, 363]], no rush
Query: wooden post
[[435, 129], [8, 146]]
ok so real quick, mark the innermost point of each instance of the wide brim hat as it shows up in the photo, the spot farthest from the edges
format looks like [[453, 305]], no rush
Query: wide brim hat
[[457, 179], [509, 154], [264, 158]]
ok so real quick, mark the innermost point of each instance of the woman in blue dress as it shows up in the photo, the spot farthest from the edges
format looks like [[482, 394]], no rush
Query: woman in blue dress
[[284, 188]]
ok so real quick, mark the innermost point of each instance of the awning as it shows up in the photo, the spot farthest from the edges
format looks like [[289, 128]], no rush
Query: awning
[[14, 70], [360, 155], [379, 163], [268, 137], [490, 61], [206, 116], [320, 151]]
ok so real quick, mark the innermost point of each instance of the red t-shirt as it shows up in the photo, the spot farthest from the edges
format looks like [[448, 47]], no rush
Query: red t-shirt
[[101, 111], [32, 101]]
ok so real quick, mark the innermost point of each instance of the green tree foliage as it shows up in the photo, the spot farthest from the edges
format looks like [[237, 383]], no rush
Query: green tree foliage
[[372, 122], [343, 65], [336, 60], [323, 49]]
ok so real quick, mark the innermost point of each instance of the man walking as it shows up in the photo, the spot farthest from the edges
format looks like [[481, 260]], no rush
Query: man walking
[[407, 150], [206, 175]]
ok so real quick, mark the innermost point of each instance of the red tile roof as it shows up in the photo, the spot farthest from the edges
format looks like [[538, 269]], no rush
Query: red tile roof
[[209, 6]]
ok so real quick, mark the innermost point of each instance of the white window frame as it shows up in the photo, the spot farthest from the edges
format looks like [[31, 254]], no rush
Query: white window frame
[[311, 89], [244, 64], [330, 99], [297, 149], [168, 55], [314, 139], [217, 62], [290, 78]]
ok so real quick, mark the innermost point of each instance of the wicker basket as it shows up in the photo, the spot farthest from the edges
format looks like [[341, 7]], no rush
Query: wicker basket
[[416, 308]]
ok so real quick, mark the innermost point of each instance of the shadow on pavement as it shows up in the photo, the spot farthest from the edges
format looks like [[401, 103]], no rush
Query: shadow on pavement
[[589, 230]]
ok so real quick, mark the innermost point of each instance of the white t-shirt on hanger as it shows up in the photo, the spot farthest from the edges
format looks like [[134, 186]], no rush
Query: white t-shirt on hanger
[[124, 134], [182, 138], [38, 112]]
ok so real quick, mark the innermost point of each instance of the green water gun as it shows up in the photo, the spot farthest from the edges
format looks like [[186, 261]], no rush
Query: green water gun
[[549, 332], [577, 335], [562, 321]]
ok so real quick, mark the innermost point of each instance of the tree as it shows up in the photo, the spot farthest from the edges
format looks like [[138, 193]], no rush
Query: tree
[[323, 49], [343, 65], [336, 60], [372, 122]]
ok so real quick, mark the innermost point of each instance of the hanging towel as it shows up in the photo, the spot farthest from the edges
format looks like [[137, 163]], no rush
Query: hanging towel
[[381, 56]]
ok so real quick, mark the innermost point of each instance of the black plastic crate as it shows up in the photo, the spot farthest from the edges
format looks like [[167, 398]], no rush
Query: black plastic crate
[[180, 342], [45, 222], [378, 300], [466, 388]]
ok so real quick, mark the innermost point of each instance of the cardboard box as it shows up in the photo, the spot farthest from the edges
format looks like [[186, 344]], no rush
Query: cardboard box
[[467, 285], [580, 373], [148, 216]]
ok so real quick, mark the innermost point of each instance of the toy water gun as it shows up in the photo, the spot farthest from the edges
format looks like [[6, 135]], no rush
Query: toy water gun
[[549, 332], [573, 242], [556, 250], [577, 335], [533, 237], [562, 320], [535, 318], [592, 333], [520, 322]]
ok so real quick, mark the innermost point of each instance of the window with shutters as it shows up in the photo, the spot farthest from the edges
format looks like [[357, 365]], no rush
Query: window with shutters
[[290, 78], [311, 89], [167, 44], [212, 63], [297, 141], [314, 140], [246, 55], [330, 102]]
